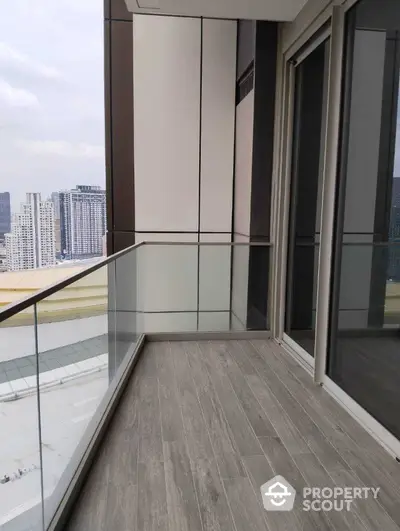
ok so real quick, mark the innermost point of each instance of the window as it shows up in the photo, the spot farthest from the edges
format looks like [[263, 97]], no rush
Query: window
[[305, 196], [364, 356]]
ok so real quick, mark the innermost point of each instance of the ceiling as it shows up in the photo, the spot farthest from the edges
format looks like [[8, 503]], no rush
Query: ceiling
[[283, 10]]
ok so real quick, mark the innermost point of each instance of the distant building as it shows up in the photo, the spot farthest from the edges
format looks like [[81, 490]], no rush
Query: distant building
[[5, 214], [31, 242], [3, 257], [55, 199], [82, 221], [57, 228]]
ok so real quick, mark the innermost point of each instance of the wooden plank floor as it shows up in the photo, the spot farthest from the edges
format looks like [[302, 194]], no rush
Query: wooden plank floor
[[203, 425]]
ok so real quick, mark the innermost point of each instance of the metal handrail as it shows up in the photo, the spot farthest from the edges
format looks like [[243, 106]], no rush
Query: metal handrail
[[15, 307], [19, 306]]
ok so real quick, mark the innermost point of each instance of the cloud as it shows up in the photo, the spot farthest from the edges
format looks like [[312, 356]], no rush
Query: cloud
[[62, 148], [16, 97], [10, 57], [51, 96]]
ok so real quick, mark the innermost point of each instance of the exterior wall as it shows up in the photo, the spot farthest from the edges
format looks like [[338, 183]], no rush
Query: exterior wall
[[183, 94], [167, 85], [184, 101], [184, 86], [118, 57]]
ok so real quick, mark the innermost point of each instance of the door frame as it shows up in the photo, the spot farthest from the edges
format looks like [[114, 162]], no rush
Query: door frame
[[291, 60]]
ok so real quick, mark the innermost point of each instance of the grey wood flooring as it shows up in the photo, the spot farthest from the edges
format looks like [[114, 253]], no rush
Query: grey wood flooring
[[203, 425]]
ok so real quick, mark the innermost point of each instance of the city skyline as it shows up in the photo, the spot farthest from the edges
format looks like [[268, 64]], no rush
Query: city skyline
[[51, 97], [68, 224]]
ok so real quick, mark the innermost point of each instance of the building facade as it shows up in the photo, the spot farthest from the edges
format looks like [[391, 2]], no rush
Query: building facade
[[279, 127], [82, 222], [3, 257], [55, 199], [31, 242], [5, 214]]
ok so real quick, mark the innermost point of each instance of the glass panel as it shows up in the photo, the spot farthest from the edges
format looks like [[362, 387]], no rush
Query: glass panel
[[76, 338], [20, 478], [240, 285], [85, 332], [183, 287], [124, 301], [306, 193], [365, 314]]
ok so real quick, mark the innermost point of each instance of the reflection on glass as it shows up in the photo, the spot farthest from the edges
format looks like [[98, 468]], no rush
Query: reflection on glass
[[365, 303], [20, 478], [250, 278], [189, 287], [306, 192], [74, 344]]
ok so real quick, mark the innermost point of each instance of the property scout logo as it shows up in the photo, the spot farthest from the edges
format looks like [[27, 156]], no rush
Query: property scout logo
[[279, 495]]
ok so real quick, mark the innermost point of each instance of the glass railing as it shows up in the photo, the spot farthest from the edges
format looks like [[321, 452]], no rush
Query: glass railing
[[63, 350]]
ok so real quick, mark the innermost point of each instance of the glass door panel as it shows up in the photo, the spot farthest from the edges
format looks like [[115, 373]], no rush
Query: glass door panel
[[364, 352], [305, 196]]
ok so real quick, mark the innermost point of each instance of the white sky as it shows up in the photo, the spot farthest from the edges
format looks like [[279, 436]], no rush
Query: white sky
[[51, 96]]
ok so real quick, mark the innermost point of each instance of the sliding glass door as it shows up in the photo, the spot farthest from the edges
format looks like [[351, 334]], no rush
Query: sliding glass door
[[309, 126], [364, 353]]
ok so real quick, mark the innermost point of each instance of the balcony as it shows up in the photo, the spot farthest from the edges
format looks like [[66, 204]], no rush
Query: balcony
[[149, 395]]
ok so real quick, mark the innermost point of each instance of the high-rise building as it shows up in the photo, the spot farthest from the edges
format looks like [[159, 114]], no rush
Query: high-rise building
[[55, 199], [82, 221], [5, 213], [31, 242], [3, 257]]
